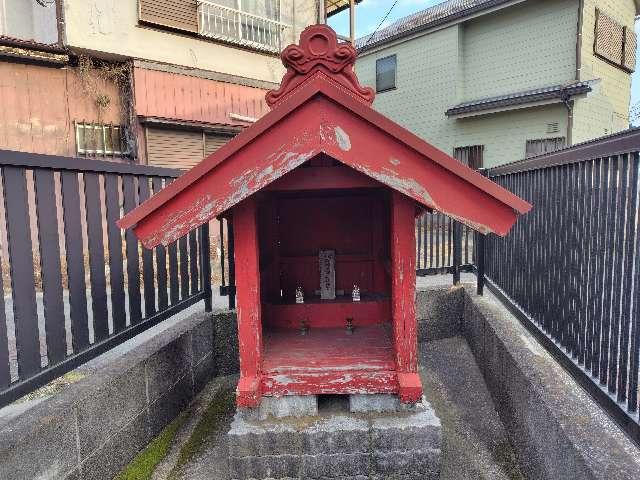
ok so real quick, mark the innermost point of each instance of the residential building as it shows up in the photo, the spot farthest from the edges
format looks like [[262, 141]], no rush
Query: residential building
[[42, 97], [162, 82], [494, 81]]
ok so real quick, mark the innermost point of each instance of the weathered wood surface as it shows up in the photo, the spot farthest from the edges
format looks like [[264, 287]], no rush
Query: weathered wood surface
[[403, 294], [320, 314], [248, 299], [320, 108]]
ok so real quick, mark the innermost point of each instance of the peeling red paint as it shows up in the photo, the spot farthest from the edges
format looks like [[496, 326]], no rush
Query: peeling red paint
[[322, 114]]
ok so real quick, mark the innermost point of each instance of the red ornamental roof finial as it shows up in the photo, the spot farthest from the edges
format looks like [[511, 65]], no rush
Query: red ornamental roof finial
[[319, 51]]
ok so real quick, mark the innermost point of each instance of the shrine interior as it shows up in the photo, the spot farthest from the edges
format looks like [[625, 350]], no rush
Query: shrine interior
[[325, 225]]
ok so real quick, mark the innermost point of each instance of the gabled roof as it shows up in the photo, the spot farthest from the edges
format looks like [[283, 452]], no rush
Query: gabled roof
[[323, 114]]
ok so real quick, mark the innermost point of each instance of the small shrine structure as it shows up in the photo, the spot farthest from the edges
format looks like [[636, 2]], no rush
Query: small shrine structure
[[323, 192]]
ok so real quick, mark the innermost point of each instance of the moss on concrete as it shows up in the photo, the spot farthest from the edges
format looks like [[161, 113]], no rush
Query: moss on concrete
[[54, 387], [220, 407], [143, 465]]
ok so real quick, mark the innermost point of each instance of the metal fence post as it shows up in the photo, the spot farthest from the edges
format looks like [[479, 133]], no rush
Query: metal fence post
[[205, 266], [457, 251], [232, 264], [479, 245]]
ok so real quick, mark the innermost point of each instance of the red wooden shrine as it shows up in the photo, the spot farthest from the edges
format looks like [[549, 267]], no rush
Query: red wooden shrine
[[323, 181]]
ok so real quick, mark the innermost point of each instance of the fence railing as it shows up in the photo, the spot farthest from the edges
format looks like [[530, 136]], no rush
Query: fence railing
[[570, 269], [73, 285], [438, 240], [240, 27]]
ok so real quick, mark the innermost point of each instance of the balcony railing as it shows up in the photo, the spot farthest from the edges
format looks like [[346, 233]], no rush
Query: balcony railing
[[242, 28]]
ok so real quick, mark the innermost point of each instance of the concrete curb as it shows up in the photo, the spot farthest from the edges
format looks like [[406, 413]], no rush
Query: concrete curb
[[555, 426]]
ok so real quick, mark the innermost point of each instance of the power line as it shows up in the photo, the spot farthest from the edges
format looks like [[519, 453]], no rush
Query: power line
[[381, 22]]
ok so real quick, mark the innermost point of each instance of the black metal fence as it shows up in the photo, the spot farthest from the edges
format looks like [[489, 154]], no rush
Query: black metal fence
[[73, 284], [436, 235], [570, 269]]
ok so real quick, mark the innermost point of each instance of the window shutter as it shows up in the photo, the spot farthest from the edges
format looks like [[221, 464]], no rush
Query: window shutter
[[178, 14], [174, 148], [544, 145], [471, 156], [609, 38], [213, 142], [630, 45]]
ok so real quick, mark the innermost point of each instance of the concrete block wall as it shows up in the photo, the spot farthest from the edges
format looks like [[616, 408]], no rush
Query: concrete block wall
[[96, 426]]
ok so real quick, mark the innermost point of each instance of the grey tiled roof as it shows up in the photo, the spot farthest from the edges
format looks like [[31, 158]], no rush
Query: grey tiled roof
[[442, 13], [519, 98]]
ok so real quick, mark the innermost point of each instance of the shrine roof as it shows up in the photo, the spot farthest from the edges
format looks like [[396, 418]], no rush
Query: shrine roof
[[320, 108]]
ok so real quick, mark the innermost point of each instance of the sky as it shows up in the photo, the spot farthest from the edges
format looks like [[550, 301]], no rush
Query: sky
[[371, 12]]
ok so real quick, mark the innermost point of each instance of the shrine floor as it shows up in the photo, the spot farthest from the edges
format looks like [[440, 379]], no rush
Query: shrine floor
[[475, 445]]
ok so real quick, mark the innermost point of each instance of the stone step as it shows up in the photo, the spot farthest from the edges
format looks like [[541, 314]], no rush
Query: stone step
[[337, 445]]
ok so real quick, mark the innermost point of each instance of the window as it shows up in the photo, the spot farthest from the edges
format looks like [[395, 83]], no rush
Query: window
[[100, 139], [32, 20], [472, 156], [544, 145], [181, 149], [614, 42], [252, 23], [175, 14], [386, 73]]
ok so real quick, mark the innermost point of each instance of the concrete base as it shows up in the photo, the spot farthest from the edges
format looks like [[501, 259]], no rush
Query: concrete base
[[382, 403], [295, 406], [403, 445]]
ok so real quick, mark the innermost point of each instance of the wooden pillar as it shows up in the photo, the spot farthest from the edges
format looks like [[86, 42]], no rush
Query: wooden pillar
[[248, 302], [403, 294]]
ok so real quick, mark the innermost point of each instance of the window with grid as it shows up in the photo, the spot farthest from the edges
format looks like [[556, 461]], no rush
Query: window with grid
[[544, 145], [615, 42], [100, 139], [386, 73], [472, 156]]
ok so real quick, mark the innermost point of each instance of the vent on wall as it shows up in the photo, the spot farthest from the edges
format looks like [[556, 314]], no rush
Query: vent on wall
[[553, 127]]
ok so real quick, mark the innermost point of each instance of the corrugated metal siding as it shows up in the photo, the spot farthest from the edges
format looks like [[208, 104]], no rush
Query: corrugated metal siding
[[179, 14], [180, 148], [182, 97], [174, 148]]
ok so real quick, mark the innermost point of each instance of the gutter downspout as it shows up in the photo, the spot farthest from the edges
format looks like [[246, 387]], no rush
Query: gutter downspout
[[570, 104]]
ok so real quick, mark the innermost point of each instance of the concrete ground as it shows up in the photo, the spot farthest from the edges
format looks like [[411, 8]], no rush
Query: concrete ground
[[475, 445]]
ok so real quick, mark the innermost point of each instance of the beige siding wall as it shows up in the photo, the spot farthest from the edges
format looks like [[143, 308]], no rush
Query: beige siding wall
[[520, 48], [427, 70], [112, 27], [505, 134], [606, 110]]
